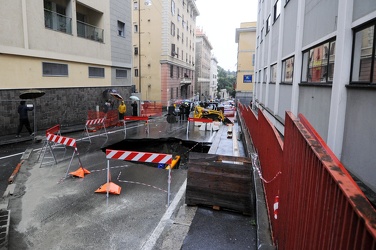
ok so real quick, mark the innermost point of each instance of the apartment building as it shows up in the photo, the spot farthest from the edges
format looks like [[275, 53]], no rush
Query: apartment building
[[317, 58], [164, 49], [202, 67], [245, 37], [213, 90], [74, 51]]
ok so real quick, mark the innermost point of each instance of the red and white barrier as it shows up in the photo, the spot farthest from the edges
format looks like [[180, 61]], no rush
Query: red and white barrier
[[71, 143], [275, 207], [202, 120], [111, 154], [62, 140], [99, 121], [136, 118], [139, 156], [47, 145]]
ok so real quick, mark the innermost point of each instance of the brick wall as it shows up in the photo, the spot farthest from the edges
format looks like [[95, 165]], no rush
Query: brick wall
[[66, 106]]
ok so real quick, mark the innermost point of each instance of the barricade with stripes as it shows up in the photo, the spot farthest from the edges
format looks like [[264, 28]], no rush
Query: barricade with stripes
[[48, 146], [202, 120], [135, 118], [158, 158], [100, 122], [70, 142]]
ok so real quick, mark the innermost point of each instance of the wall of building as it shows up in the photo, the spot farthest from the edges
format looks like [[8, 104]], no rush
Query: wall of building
[[339, 109], [64, 106]]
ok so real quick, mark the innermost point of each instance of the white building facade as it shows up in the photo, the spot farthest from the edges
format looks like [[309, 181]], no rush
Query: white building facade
[[213, 91], [318, 58]]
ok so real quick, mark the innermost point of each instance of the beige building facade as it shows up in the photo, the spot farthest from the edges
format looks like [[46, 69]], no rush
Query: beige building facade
[[74, 51], [246, 40], [202, 67], [164, 49]]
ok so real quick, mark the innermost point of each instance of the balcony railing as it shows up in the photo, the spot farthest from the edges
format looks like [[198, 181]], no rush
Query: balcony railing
[[58, 22], [185, 80], [89, 32]]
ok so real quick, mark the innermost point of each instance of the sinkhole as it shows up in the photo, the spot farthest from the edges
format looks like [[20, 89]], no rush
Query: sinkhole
[[170, 145]]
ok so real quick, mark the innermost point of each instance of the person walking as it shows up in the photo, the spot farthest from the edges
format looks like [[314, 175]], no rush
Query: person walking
[[122, 109], [134, 108], [24, 118]]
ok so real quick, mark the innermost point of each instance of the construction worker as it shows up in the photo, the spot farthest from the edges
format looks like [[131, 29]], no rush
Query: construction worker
[[122, 109]]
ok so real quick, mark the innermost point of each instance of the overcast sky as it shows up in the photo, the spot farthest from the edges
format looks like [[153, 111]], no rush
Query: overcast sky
[[219, 20]]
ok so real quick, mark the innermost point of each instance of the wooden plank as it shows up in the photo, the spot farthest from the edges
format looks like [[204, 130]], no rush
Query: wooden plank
[[212, 182]]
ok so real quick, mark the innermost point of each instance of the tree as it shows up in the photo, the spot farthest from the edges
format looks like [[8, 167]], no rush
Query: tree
[[226, 80]]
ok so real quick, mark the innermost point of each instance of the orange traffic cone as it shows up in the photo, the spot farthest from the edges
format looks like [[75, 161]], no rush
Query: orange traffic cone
[[112, 188], [80, 172]]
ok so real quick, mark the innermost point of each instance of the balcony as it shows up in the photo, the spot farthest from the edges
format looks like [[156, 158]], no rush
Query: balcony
[[88, 31], [57, 22], [185, 81]]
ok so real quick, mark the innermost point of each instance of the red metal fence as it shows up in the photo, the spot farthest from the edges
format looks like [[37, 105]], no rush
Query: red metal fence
[[320, 205]]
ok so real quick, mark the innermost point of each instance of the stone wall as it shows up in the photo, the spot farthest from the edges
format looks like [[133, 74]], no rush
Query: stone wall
[[64, 106]]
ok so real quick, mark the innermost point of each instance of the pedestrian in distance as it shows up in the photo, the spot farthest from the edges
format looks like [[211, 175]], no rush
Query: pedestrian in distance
[[24, 118], [122, 109], [171, 114], [134, 108]]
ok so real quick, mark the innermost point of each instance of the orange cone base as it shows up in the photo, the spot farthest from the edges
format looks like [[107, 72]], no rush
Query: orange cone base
[[112, 188], [80, 172]]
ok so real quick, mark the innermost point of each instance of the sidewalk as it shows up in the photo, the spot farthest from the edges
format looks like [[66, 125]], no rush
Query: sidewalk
[[198, 227]]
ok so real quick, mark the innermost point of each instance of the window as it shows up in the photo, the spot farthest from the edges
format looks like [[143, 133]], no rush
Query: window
[[288, 70], [135, 5], [364, 58], [178, 72], [268, 25], [273, 73], [121, 73], [182, 38], [172, 29], [135, 28], [121, 26], [317, 64], [262, 34], [172, 7], [96, 72], [265, 76], [54, 69], [277, 10], [136, 50], [171, 71], [136, 72], [253, 59], [173, 53]]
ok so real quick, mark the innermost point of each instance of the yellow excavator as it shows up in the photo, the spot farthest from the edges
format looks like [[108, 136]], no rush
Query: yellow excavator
[[215, 115]]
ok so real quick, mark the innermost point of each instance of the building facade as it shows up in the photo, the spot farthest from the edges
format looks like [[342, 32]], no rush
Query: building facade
[[245, 37], [213, 90], [202, 66], [164, 49], [317, 58], [73, 50]]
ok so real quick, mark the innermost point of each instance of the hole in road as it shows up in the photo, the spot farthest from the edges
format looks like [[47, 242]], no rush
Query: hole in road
[[169, 145]]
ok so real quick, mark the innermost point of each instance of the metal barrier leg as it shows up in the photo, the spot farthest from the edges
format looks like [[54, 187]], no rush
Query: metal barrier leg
[[86, 131], [48, 146]]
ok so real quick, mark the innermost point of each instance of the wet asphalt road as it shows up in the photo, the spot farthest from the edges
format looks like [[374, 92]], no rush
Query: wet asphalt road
[[10, 154]]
